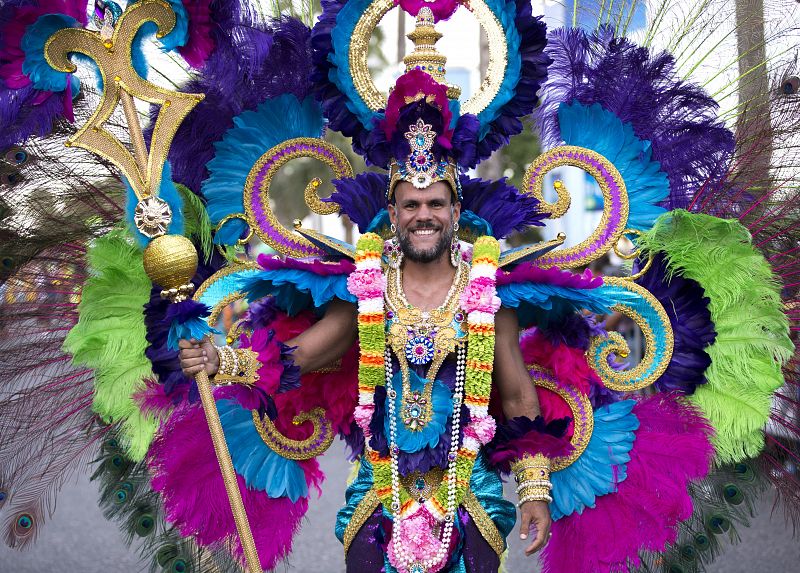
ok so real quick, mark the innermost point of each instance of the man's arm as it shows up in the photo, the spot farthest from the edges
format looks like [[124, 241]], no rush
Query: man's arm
[[518, 398], [321, 345]]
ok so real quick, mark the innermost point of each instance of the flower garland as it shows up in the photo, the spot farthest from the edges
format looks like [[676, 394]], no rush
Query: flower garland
[[368, 283], [415, 547]]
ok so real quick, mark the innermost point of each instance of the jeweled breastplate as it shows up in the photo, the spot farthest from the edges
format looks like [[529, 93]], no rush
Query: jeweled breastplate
[[423, 338]]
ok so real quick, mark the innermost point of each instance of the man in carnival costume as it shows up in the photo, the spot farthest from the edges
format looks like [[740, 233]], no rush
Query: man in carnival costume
[[442, 362], [428, 291]]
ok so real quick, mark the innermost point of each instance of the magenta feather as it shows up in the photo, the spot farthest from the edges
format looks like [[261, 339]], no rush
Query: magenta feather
[[186, 473], [672, 449]]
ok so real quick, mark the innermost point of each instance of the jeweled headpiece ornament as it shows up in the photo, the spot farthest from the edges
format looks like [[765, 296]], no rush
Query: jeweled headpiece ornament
[[422, 153], [421, 169]]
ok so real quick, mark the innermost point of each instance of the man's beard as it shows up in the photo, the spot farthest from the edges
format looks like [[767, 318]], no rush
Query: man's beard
[[429, 255]]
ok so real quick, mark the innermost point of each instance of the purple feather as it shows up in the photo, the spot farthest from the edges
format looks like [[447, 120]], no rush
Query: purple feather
[[334, 102], [642, 88], [521, 435], [251, 62], [361, 197], [501, 205], [320, 268], [687, 308], [165, 363], [21, 118]]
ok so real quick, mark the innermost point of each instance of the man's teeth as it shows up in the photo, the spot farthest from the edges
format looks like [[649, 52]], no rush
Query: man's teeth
[[424, 231]]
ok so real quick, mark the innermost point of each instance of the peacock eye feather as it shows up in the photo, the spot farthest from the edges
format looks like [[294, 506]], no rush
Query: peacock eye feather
[[718, 524], [744, 472], [732, 494], [145, 524], [166, 554], [23, 525], [702, 542], [180, 566]]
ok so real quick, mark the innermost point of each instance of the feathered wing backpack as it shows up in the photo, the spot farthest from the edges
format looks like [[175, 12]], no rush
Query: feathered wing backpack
[[662, 459]]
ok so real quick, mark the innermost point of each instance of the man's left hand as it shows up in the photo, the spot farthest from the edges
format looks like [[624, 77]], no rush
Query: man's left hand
[[535, 518]]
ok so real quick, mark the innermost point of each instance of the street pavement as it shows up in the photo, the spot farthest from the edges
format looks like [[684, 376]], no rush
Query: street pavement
[[79, 539]]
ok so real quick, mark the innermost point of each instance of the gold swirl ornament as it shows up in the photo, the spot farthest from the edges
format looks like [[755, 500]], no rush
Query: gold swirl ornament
[[316, 444], [372, 16], [143, 168], [258, 212], [579, 405], [616, 207], [649, 315]]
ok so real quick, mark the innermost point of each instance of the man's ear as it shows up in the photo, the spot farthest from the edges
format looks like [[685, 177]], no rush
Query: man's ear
[[392, 213], [456, 211]]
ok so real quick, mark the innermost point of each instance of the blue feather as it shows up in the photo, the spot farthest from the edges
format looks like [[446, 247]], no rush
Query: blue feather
[[196, 328], [537, 303], [35, 65], [254, 133], [505, 12], [169, 193], [176, 38], [600, 130], [261, 468], [296, 290], [633, 300], [602, 466], [341, 35]]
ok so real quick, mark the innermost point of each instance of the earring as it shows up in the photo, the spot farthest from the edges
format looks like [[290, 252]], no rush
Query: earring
[[455, 247], [393, 252], [393, 229]]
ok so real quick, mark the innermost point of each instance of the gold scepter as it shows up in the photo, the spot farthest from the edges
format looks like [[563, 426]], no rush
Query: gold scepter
[[169, 260]]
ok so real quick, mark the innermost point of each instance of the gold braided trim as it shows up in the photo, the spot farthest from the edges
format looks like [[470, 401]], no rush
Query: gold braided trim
[[591, 248], [289, 243], [113, 59], [296, 449], [626, 380], [485, 524], [366, 507], [372, 16], [222, 273]]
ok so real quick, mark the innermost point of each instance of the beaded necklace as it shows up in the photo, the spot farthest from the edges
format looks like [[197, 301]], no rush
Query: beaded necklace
[[473, 385], [421, 337]]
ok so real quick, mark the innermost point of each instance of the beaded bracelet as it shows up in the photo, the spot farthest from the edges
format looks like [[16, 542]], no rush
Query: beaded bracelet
[[532, 474], [237, 366]]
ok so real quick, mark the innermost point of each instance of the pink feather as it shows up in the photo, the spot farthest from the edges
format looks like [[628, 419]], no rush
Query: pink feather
[[672, 449], [186, 473], [568, 364]]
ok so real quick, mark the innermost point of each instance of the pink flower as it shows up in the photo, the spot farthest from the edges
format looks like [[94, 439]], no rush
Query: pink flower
[[363, 416], [417, 539], [366, 283], [481, 428], [480, 295]]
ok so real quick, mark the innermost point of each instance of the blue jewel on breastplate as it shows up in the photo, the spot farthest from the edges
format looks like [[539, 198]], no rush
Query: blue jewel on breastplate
[[419, 350]]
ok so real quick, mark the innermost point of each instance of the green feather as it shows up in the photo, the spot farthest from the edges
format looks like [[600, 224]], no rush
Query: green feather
[[197, 223], [752, 332], [110, 337]]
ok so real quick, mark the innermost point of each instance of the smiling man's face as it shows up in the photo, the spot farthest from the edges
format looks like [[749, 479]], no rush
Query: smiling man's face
[[424, 220]]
